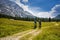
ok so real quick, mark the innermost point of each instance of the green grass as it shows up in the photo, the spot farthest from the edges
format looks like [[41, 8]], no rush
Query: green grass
[[10, 27], [50, 31]]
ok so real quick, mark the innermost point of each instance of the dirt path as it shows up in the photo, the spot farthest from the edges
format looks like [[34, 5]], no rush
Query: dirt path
[[31, 35], [34, 34], [20, 35]]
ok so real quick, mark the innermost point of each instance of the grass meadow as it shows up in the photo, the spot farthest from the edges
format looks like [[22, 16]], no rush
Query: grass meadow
[[50, 31], [10, 26]]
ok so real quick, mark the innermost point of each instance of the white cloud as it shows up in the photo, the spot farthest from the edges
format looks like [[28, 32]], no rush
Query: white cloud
[[32, 10], [35, 9], [25, 1], [53, 13], [25, 7], [55, 10], [44, 14]]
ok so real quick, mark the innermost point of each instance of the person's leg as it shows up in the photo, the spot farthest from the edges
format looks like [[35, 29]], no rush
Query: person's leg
[[35, 26], [40, 25]]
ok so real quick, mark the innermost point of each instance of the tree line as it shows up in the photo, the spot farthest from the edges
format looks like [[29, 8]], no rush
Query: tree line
[[30, 19], [16, 18]]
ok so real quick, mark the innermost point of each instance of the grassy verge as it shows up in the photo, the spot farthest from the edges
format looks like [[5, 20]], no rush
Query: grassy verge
[[50, 31], [9, 26]]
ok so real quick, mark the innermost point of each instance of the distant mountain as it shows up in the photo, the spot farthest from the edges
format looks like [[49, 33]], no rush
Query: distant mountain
[[57, 17], [12, 9]]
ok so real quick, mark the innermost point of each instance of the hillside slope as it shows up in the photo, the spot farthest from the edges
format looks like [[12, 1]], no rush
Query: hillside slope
[[10, 8]]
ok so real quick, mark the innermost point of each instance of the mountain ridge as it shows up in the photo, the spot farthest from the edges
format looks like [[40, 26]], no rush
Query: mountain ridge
[[10, 8]]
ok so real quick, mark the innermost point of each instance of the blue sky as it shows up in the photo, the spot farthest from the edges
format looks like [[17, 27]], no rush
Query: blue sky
[[41, 8], [45, 5]]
